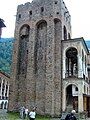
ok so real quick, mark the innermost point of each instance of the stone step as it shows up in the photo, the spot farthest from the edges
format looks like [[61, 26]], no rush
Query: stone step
[[63, 116]]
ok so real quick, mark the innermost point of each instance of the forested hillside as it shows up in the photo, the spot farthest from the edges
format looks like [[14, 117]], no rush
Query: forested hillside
[[6, 47]]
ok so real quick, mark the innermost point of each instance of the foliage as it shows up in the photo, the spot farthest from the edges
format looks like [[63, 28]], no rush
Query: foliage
[[6, 48], [15, 116]]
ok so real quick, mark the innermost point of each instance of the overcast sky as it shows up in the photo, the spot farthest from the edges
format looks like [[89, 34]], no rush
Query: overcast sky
[[79, 11]]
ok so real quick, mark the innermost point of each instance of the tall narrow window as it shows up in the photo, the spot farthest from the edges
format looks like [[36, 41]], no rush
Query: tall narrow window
[[30, 12], [42, 9], [65, 33], [69, 37], [72, 66], [40, 47], [23, 49]]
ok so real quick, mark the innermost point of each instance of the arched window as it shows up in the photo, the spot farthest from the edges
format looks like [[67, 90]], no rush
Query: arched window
[[71, 62], [69, 37], [40, 47], [5, 105], [23, 49], [2, 105], [65, 33]]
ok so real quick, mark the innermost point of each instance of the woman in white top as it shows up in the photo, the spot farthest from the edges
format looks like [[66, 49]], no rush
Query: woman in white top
[[32, 114]]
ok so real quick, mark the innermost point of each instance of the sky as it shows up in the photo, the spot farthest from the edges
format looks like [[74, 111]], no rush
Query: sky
[[79, 11]]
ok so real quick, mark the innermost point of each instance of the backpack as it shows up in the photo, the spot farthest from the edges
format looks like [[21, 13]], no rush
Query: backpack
[[70, 117]]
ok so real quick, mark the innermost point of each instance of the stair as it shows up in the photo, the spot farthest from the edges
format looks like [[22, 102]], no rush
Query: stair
[[63, 115], [69, 108]]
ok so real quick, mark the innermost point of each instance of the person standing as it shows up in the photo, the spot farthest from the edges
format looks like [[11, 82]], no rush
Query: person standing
[[26, 113], [32, 114], [22, 112]]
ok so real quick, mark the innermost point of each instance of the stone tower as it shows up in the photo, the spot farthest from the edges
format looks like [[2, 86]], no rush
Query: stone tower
[[36, 68]]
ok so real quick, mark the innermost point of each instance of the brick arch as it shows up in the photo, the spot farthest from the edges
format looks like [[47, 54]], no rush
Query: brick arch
[[40, 21], [70, 48], [72, 96], [40, 62], [24, 34], [25, 28], [76, 84], [57, 19]]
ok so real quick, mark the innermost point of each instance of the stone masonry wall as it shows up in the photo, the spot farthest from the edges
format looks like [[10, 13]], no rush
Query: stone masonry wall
[[42, 84]]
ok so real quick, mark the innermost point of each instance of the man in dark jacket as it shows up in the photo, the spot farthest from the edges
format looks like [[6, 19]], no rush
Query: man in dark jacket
[[71, 116]]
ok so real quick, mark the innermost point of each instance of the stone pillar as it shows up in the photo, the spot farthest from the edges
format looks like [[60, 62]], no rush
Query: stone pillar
[[31, 80], [64, 65], [80, 71], [8, 90], [5, 89], [1, 90], [13, 91], [57, 66], [49, 89], [80, 100], [1, 87], [64, 99]]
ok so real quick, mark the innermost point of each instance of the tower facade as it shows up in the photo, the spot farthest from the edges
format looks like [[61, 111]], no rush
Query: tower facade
[[36, 69]]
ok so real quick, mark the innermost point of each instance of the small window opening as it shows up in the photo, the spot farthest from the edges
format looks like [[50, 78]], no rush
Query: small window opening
[[19, 16], [42, 9], [56, 2], [76, 89], [30, 12], [57, 13]]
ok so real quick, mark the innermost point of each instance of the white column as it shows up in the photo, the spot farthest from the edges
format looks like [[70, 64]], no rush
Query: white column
[[69, 67], [80, 71], [80, 100], [8, 90], [1, 87], [64, 65], [64, 99], [4, 88]]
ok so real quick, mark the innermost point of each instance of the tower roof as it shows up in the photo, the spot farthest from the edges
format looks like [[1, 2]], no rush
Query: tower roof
[[2, 23]]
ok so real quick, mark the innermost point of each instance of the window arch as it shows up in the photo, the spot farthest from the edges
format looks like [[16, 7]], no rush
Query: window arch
[[2, 105], [65, 33], [40, 46], [71, 62], [5, 105], [23, 49], [69, 36]]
